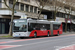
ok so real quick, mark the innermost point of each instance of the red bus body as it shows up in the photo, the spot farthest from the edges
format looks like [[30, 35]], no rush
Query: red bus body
[[45, 32]]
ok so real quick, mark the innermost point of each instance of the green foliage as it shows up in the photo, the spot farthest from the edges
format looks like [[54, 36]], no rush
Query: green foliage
[[7, 36]]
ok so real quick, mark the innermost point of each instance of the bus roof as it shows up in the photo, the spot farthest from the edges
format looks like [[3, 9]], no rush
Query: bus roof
[[44, 21], [41, 21], [56, 22]]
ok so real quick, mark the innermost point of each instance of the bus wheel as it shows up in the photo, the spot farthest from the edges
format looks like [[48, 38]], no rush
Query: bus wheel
[[22, 37], [58, 34], [48, 34], [35, 35]]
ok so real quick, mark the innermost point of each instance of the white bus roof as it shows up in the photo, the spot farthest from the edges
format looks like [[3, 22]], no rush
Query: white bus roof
[[39, 21], [56, 22], [42, 21]]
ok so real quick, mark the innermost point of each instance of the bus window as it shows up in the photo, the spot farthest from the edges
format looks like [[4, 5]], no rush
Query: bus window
[[37, 27], [55, 27], [48, 26], [42, 27], [33, 26]]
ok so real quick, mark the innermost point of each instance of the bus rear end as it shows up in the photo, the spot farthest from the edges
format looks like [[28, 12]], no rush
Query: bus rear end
[[56, 28]]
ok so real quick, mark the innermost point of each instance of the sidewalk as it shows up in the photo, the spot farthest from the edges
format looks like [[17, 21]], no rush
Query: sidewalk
[[68, 33], [3, 35]]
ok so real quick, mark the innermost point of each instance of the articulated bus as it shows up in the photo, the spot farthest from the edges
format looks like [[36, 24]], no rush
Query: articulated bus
[[33, 28]]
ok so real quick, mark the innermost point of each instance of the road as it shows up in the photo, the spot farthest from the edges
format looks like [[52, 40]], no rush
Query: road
[[40, 43]]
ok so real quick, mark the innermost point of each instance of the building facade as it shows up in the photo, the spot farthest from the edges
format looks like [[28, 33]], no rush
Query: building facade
[[65, 10], [23, 8], [30, 9]]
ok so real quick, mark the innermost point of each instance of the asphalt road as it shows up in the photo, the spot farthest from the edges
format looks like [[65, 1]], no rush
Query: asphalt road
[[40, 43]]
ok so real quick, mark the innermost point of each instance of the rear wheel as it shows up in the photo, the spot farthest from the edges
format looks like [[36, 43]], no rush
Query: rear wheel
[[48, 34], [22, 37], [35, 34], [58, 34]]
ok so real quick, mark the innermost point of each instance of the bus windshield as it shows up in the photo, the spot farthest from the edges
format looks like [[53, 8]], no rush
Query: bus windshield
[[20, 25]]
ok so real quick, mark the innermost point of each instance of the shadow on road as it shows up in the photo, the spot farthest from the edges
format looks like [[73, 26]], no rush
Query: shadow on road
[[33, 37]]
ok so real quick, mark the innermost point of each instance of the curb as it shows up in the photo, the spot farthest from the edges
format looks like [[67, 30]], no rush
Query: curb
[[13, 38], [66, 34], [6, 38]]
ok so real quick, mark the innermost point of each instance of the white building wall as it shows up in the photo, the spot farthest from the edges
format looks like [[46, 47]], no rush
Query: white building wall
[[32, 2]]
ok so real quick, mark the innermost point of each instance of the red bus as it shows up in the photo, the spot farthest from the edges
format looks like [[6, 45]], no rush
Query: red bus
[[34, 28]]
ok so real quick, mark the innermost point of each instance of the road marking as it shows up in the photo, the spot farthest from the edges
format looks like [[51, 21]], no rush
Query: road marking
[[33, 39], [44, 42], [73, 42], [70, 47], [2, 42], [8, 46], [31, 43]]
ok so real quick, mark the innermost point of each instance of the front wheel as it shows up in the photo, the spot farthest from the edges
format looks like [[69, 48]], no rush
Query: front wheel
[[48, 34], [58, 34], [22, 37], [35, 34]]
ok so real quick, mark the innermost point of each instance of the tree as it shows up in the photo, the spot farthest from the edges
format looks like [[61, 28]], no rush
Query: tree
[[57, 6], [12, 16], [67, 11], [41, 4]]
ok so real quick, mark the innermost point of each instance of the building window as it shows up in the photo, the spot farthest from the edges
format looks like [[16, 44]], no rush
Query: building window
[[31, 9], [27, 8], [35, 10], [60, 15], [27, 0], [0, 4], [2, 20], [4, 25], [10, 3], [57, 14], [69, 16], [17, 6], [66, 16], [22, 7], [63, 15], [66, 7]]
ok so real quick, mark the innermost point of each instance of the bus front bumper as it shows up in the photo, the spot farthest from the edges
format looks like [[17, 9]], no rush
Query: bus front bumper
[[21, 34]]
